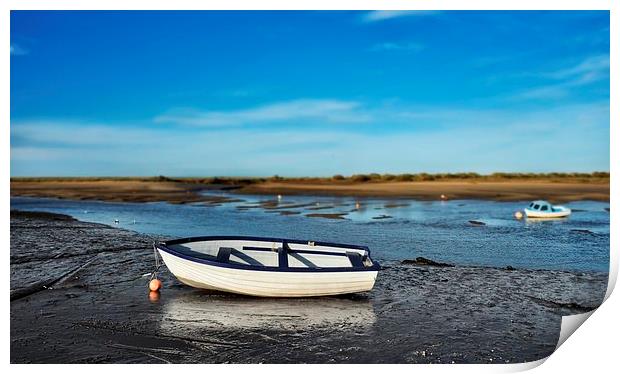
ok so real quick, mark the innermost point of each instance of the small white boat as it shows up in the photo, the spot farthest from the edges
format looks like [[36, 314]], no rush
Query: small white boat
[[542, 209], [270, 267]]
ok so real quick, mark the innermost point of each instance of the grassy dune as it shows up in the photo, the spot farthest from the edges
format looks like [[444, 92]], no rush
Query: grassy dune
[[595, 177]]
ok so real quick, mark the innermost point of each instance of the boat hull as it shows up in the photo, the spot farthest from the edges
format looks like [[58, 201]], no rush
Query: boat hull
[[538, 214], [267, 283]]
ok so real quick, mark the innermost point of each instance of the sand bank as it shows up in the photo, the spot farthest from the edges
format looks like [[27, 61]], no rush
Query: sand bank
[[432, 190], [186, 192]]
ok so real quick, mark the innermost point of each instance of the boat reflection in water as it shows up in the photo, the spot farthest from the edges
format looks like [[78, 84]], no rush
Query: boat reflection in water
[[537, 220], [199, 311]]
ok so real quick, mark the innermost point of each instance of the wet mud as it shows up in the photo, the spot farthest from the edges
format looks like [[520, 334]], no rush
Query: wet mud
[[327, 215], [79, 295]]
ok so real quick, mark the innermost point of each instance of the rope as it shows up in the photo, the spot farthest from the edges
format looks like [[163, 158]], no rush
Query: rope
[[157, 263]]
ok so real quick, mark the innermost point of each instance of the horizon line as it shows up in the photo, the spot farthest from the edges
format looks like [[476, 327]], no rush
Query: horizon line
[[444, 174]]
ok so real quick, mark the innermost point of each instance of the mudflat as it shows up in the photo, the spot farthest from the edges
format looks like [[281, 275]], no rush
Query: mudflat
[[186, 191], [116, 190], [79, 295]]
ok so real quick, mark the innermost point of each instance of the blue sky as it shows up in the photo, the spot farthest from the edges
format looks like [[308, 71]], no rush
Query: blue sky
[[308, 93]]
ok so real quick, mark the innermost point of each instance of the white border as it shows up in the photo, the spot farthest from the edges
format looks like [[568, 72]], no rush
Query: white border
[[312, 5], [592, 348]]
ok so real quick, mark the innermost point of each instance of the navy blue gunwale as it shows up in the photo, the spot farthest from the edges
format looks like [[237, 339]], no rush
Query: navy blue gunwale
[[164, 247]]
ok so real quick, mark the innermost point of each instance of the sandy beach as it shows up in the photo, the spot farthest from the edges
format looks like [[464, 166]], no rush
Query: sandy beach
[[78, 295], [186, 191], [432, 190]]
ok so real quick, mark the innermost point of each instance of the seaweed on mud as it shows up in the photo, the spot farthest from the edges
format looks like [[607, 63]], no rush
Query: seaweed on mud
[[327, 215], [573, 306], [426, 262]]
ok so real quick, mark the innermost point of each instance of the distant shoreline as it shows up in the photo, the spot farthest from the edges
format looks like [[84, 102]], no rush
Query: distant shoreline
[[593, 177], [557, 188]]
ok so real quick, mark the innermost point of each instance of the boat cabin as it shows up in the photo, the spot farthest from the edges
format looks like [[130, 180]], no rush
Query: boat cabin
[[541, 205]]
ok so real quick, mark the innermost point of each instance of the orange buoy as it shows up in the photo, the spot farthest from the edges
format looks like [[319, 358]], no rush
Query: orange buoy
[[154, 296], [155, 285]]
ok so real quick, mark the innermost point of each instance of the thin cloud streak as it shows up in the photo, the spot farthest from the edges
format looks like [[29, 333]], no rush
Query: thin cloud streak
[[331, 111], [588, 71], [594, 67], [404, 47], [16, 50], [382, 15], [77, 134], [51, 147]]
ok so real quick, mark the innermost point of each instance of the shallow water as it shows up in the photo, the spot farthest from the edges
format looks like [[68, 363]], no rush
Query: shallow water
[[394, 229]]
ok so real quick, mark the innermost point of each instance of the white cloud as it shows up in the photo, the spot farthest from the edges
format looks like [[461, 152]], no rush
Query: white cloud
[[591, 68], [331, 111], [567, 79], [36, 153], [390, 46], [432, 140], [77, 134], [549, 92], [16, 50], [382, 15]]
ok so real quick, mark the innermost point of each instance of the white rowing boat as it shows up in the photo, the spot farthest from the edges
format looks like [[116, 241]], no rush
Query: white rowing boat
[[542, 209], [270, 267]]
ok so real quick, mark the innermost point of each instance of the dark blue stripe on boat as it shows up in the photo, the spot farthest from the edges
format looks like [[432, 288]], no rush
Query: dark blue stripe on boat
[[246, 258], [283, 256], [165, 247], [260, 249], [355, 258], [303, 260], [259, 239], [223, 255]]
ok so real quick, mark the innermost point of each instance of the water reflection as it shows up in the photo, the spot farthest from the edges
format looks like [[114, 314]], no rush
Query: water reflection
[[536, 220], [200, 310]]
